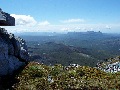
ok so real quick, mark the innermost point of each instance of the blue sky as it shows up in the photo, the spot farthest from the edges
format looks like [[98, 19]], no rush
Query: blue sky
[[64, 15]]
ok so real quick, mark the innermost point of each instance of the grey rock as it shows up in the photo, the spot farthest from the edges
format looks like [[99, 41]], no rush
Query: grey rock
[[3, 50], [14, 64], [3, 67], [13, 53], [6, 19]]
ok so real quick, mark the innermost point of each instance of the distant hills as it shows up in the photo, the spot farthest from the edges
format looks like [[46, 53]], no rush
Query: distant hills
[[38, 33], [60, 33], [97, 45], [51, 53]]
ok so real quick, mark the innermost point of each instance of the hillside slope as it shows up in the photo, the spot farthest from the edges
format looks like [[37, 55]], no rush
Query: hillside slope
[[51, 53]]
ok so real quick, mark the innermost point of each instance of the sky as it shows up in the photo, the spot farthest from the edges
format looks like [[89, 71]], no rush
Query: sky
[[63, 15]]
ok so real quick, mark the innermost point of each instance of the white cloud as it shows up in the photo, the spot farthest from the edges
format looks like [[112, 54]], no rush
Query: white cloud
[[26, 23], [26, 20], [107, 27], [66, 28], [44, 23], [73, 21]]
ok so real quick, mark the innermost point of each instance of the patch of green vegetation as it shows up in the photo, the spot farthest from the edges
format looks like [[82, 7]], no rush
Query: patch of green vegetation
[[41, 77], [58, 53]]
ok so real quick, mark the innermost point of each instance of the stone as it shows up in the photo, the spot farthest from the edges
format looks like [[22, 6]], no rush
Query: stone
[[6, 19], [4, 67], [14, 64], [13, 53]]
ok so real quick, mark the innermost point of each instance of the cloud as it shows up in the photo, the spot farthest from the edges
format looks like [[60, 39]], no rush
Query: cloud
[[107, 27], [26, 23], [73, 21], [25, 20], [44, 23], [65, 29]]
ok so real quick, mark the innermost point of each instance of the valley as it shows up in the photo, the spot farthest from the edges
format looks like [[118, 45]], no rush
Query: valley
[[83, 48]]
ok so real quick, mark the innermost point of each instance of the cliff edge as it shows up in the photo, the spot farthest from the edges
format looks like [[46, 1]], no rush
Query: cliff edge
[[13, 52]]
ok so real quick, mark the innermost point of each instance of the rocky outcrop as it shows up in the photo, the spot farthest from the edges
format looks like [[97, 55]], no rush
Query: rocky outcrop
[[111, 65], [13, 53], [6, 19]]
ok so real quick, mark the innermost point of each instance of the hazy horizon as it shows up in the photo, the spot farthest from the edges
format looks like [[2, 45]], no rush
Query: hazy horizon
[[64, 15]]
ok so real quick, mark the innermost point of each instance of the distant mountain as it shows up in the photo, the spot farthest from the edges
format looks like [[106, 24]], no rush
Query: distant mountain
[[38, 33], [98, 45]]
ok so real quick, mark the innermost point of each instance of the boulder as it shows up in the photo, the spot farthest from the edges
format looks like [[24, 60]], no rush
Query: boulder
[[13, 53]]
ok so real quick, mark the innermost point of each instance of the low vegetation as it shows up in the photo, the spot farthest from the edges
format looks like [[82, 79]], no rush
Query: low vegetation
[[37, 76]]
